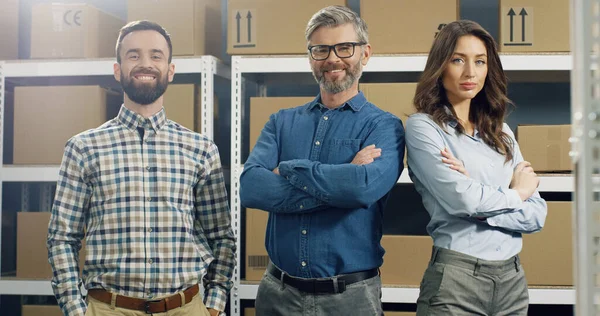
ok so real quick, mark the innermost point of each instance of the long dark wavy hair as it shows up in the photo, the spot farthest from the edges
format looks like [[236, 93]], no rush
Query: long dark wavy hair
[[488, 107]]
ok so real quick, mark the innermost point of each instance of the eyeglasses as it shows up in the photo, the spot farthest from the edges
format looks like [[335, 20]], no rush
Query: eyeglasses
[[341, 50]]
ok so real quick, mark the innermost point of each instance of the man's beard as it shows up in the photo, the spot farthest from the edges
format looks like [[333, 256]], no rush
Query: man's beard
[[144, 93], [353, 74]]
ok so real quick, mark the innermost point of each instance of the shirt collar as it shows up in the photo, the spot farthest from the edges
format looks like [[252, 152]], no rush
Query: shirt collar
[[356, 103], [133, 120], [453, 122]]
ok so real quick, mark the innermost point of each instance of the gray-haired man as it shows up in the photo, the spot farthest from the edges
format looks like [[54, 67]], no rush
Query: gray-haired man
[[325, 170]]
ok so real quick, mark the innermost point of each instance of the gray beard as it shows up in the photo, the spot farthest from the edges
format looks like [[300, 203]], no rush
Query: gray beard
[[335, 87]]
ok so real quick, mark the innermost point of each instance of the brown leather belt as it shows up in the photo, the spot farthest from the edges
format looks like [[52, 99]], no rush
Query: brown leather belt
[[147, 306]]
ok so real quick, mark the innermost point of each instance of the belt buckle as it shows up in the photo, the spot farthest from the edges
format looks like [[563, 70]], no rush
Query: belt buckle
[[147, 306], [341, 286]]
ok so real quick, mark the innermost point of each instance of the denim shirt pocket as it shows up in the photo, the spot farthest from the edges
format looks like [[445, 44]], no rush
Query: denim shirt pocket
[[343, 150]]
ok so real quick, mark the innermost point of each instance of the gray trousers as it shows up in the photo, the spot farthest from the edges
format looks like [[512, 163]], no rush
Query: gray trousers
[[458, 284], [277, 299]]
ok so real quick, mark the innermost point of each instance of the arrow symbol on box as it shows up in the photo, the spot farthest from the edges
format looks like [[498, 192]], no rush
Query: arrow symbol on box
[[511, 13], [238, 17], [522, 14], [249, 17]]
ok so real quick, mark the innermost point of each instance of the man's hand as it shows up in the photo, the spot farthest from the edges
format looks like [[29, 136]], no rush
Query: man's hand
[[276, 171], [524, 180], [366, 156], [453, 162], [213, 312]]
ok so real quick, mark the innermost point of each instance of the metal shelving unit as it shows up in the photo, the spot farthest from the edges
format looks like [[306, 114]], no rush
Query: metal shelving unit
[[244, 66], [206, 67], [585, 113]]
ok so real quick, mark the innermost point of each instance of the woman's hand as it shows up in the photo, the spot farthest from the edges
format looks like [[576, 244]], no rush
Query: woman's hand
[[453, 162]]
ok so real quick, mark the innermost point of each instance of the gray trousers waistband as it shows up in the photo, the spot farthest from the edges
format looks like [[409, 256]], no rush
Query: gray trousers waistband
[[459, 259]]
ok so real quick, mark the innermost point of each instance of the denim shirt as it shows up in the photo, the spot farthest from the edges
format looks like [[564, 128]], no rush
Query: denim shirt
[[457, 203], [325, 214]]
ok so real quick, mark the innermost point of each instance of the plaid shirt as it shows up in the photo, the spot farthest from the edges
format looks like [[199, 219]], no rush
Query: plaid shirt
[[153, 208]]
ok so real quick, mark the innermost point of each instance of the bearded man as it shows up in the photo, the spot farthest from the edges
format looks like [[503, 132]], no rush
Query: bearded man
[[149, 195], [323, 172]]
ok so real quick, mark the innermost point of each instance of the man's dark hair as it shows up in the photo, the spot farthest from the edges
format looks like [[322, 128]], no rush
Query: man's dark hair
[[142, 25]]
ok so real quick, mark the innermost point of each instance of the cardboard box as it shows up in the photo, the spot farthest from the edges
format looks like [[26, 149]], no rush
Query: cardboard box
[[37, 310], [249, 311], [69, 109], [72, 31], [555, 267], [546, 146], [9, 29], [32, 253], [182, 105], [256, 254], [405, 260], [396, 98], [270, 26], [194, 25], [535, 26], [262, 108], [406, 26]]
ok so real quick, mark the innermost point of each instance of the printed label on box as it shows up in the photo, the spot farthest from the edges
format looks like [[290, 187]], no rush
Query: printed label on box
[[517, 26], [244, 28]]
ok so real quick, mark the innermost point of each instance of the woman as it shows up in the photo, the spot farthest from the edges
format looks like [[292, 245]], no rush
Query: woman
[[467, 166]]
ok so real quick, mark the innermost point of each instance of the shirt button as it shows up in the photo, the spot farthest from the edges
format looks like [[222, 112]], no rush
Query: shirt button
[[304, 263], [325, 118], [147, 140], [304, 232], [148, 168], [304, 188], [149, 199], [301, 206], [317, 143], [150, 261], [149, 230]]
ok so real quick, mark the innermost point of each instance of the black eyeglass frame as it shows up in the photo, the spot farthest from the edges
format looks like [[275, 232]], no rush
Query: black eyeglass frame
[[332, 47]]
